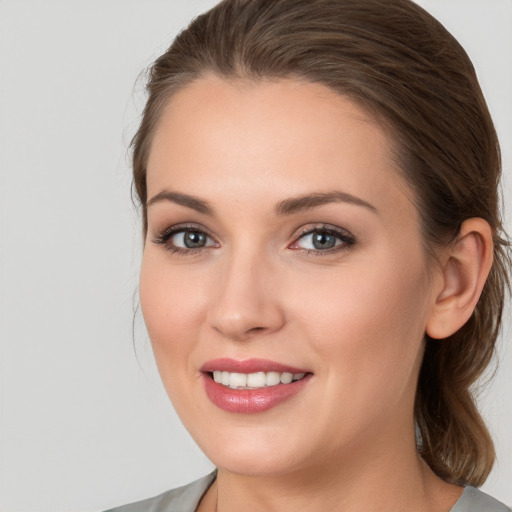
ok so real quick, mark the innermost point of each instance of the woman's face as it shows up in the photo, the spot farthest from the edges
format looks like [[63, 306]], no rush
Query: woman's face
[[282, 245]]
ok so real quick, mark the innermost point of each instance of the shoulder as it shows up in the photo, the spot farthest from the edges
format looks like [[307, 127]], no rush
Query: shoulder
[[181, 499], [474, 500]]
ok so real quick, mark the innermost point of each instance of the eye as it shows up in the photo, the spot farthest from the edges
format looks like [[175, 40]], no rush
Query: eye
[[189, 239], [324, 239], [184, 239]]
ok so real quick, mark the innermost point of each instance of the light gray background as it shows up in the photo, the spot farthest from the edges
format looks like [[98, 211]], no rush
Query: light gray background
[[84, 425]]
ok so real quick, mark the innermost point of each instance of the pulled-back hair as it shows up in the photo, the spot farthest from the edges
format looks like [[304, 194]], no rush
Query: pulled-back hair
[[401, 65]]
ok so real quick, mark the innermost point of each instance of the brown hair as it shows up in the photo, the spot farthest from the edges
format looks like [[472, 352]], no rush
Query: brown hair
[[402, 65]]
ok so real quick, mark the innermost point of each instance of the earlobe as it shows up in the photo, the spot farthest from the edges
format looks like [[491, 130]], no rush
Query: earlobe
[[464, 273]]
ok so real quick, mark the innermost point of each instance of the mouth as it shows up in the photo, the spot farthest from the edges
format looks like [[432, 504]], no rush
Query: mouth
[[257, 380], [252, 385]]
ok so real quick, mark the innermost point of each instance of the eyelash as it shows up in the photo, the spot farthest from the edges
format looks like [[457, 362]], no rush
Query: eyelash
[[164, 237], [346, 239]]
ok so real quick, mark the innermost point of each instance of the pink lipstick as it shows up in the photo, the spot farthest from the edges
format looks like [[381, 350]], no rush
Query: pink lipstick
[[251, 385]]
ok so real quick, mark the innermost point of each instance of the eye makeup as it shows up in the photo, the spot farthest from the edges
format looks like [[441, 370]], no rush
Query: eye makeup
[[317, 240], [194, 239], [323, 239]]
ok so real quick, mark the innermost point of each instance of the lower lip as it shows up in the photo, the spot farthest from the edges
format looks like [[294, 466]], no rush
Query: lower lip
[[251, 400]]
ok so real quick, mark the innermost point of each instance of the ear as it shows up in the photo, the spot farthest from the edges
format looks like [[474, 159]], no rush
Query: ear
[[464, 271]]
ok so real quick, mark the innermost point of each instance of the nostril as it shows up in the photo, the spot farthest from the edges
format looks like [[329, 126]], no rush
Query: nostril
[[245, 319]]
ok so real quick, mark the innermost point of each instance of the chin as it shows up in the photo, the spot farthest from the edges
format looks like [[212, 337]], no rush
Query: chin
[[251, 452], [254, 465]]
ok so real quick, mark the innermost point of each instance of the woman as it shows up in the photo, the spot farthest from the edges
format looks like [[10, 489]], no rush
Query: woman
[[324, 263]]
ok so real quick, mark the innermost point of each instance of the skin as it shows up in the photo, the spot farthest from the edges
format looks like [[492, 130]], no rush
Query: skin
[[355, 317]]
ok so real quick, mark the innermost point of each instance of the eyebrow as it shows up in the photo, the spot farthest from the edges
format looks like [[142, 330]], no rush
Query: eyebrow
[[200, 205], [285, 207], [308, 201]]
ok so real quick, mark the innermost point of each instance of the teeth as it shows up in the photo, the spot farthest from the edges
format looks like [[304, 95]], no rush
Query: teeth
[[255, 380], [286, 378], [237, 380], [272, 378]]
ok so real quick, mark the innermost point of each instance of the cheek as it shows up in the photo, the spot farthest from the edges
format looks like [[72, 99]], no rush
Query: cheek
[[171, 302], [367, 325]]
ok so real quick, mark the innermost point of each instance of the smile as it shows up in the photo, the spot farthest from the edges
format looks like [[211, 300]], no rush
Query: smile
[[256, 380], [253, 385]]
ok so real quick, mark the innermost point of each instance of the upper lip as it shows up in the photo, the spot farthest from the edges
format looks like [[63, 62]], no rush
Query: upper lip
[[226, 364]]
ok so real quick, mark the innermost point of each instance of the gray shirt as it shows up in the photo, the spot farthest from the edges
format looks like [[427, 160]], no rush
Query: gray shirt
[[187, 498]]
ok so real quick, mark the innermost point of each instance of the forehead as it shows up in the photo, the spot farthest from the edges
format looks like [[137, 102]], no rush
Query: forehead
[[264, 138]]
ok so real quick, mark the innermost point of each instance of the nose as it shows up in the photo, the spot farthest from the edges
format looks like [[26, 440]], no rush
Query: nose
[[247, 303]]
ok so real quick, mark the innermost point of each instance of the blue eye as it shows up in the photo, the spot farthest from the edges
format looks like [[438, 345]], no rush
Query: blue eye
[[319, 240], [324, 239], [184, 239], [190, 239]]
